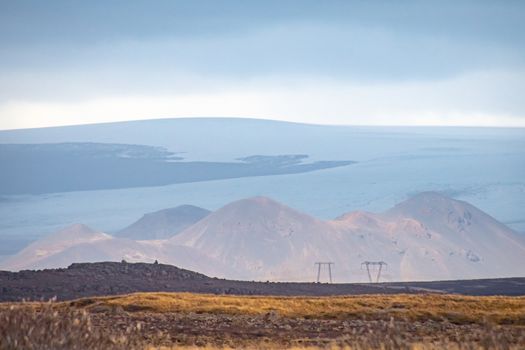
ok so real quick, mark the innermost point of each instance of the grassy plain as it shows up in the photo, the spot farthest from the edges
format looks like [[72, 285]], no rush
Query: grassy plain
[[414, 307], [188, 321]]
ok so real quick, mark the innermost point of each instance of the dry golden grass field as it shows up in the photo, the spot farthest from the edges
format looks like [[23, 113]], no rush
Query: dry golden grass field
[[184, 320], [454, 308]]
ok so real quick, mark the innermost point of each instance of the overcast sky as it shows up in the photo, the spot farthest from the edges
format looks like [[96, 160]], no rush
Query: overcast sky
[[331, 62]]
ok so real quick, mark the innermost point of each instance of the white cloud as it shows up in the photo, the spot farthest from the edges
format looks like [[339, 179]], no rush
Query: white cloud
[[478, 99]]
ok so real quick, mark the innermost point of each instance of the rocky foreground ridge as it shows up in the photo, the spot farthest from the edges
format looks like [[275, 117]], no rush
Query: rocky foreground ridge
[[112, 278]]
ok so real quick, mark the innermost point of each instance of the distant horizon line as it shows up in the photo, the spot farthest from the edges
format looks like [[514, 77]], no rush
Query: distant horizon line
[[273, 120]]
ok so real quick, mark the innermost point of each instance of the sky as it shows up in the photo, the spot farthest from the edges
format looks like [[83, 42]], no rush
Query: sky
[[66, 62]]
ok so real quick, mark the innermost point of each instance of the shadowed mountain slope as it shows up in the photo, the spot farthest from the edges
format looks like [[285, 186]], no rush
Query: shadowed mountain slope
[[164, 223]]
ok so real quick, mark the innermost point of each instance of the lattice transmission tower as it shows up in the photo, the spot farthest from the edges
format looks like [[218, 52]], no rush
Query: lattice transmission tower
[[327, 264], [374, 264]]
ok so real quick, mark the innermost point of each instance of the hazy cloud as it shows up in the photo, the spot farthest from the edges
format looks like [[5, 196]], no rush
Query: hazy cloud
[[409, 61]]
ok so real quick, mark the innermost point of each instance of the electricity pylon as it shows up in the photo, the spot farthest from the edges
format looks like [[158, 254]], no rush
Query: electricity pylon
[[374, 263], [329, 264]]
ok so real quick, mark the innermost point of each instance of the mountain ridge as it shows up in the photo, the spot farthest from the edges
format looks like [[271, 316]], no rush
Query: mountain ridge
[[113, 278], [163, 223], [259, 238]]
